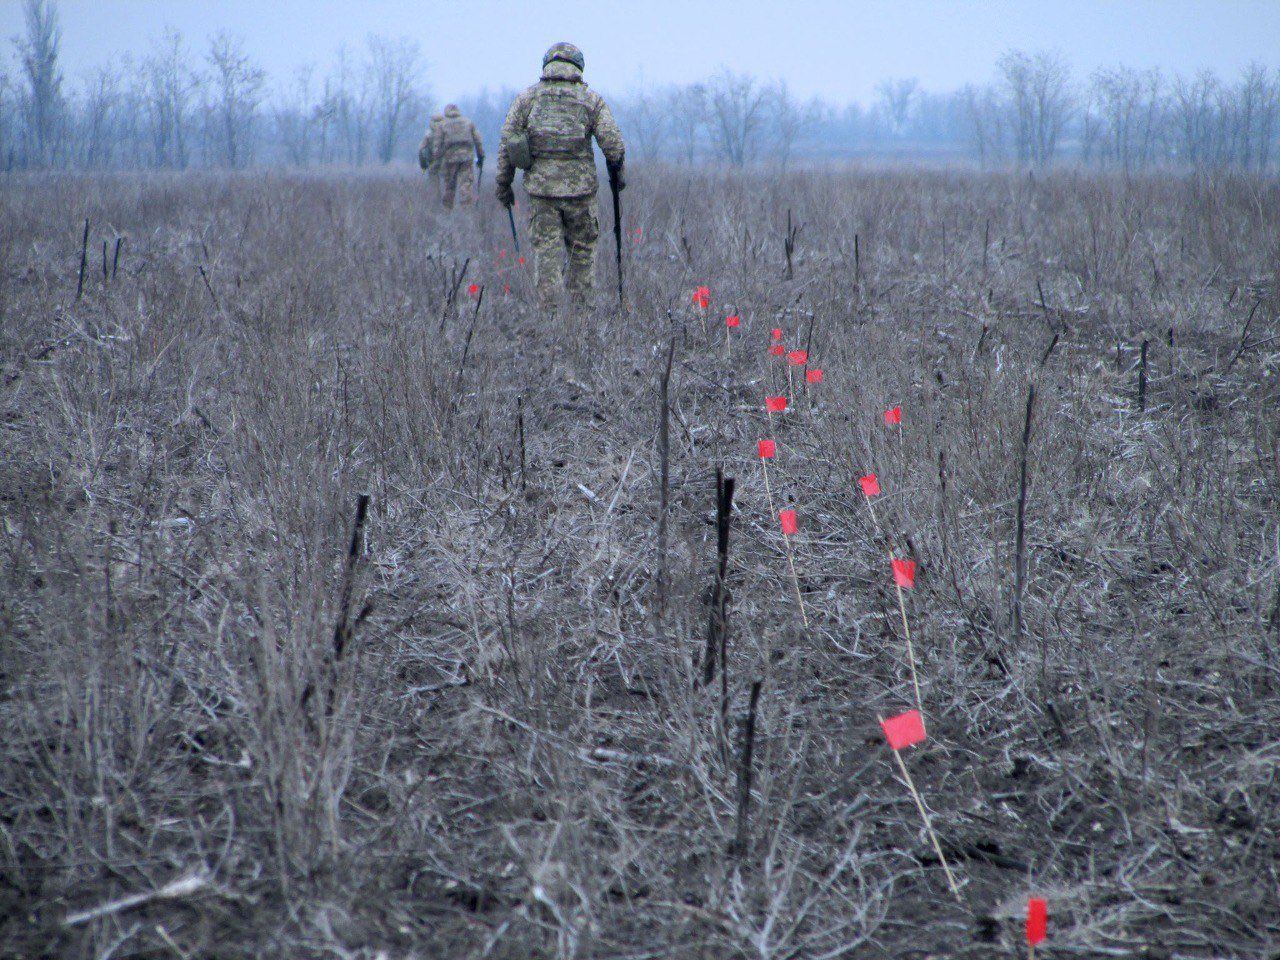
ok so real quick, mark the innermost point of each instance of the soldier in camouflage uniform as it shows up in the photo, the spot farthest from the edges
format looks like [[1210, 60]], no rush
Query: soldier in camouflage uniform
[[453, 143], [559, 115], [426, 159]]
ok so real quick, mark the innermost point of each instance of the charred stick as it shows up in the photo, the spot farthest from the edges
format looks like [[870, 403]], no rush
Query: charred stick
[[741, 843], [84, 259]]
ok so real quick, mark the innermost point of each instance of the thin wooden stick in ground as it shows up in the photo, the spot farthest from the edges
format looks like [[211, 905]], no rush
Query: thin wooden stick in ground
[[795, 581], [764, 465], [789, 528], [928, 825], [911, 653], [904, 731], [902, 607]]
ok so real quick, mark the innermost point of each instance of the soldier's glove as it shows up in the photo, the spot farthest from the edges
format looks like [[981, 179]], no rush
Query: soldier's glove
[[615, 176], [505, 194]]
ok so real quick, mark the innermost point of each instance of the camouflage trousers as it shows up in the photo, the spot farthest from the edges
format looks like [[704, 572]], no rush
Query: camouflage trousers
[[558, 225], [458, 180]]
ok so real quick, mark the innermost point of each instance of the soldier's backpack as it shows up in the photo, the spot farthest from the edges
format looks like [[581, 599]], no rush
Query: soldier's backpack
[[424, 155], [560, 123]]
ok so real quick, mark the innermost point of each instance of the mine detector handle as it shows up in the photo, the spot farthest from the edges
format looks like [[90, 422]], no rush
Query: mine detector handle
[[515, 237], [617, 224]]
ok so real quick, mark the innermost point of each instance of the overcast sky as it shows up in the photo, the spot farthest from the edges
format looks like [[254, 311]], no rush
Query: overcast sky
[[838, 49]]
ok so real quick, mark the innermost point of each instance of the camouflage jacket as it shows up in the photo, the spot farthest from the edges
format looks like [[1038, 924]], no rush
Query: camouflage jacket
[[455, 138], [560, 115]]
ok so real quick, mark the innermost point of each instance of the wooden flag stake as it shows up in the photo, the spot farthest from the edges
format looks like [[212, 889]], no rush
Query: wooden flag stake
[[764, 465], [928, 825], [795, 580], [911, 654], [906, 628]]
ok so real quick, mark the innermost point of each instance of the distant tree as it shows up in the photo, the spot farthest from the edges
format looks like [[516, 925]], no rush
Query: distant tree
[[1257, 101], [102, 101], [43, 103], [789, 120], [1039, 90], [1123, 119], [896, 98], [393, 66], [237, 89], [644, 121], [345, 113], [1193, 105], [293, 116], [985, 112], [487, 110], [8, 121], [686, 108], [169, 88], [939, 119], [736, 107]]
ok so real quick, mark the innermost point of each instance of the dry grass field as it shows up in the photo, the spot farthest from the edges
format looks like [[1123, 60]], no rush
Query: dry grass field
[[472, 719]]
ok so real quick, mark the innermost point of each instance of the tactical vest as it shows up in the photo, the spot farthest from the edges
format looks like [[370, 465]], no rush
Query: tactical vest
[[560, 122]]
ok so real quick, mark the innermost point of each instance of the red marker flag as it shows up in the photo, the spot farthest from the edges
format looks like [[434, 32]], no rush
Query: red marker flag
[[789, 525], [813, 375], [702, 298], [767, 449], [870, 485], [798, 357], [904, 730], [473, 289], [893, 416], [522, 261], [502, 254], [732, 321], [506, 288], [777, 333], [775, 404], [1037, 920], [904, 573], [777, 349]]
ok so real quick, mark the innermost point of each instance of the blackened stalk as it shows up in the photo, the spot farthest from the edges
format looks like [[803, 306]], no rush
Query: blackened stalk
[[664, 456], [718, 621], [742, 841], [1020, 545], [84, 259]]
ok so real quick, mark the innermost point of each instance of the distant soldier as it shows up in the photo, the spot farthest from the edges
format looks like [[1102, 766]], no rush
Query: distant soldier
[[548, 134], [452, 145], [428, 161]]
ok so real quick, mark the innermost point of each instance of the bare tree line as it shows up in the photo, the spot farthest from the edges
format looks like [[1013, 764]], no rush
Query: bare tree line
[[181, 106]]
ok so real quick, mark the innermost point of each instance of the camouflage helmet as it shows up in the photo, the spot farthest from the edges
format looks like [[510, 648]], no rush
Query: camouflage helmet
[[565, 52]]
